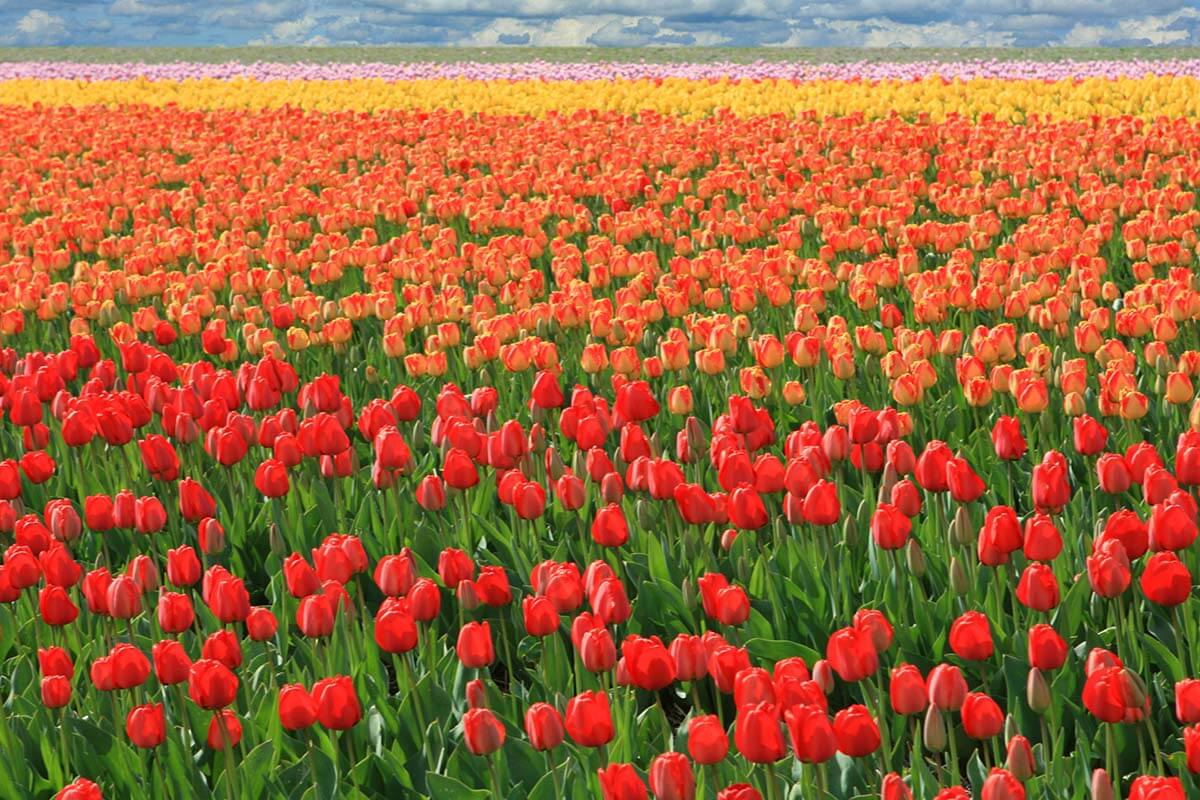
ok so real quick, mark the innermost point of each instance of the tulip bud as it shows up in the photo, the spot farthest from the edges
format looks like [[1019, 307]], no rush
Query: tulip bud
[[579, 463], [962, 527], [372, 375], [850, 533], [554, 464], [1020, 758], [1037, 693], [416, 438], [468, 597], [688, 590], [278, 547], [728, 538], [933, 732], [915, 558], [958, 577], [695, 436], [1102, 786], [781, 533], [655, 445], [645, 514]]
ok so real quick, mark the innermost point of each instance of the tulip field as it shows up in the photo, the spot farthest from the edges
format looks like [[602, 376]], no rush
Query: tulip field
[[762, 431]]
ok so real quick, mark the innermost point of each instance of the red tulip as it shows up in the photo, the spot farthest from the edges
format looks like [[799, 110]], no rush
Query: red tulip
[[947, 687], [707, 741], [609, 528], [146, 726], [971, 637], [1047, 650], [1165, 580], [474, 646], [544, 726], [758, 735], [171, 662], [297, 708], [671, 777], [981, 716], [909, 694], [224, 730], [211, 685], [856, 731], [621, 782], [338, 708], [588, 719], [482, 731]]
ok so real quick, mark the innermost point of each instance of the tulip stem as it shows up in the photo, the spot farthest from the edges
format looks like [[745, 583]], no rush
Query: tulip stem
[[495, 777], [952, 736], [1158, 763], [772, 787], [227, 748], [1180, 647], [312, 757], [667, 731], [884, 729], [1111, 759]]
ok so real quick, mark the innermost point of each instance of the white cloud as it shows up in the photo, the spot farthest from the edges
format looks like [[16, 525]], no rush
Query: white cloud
[[39, 27], [1158, 30]]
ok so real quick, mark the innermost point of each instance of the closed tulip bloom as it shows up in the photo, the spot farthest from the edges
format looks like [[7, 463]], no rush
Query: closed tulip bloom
[[175, 612], [1110, 695], [540, 615], [338, 708], [1051, 489], [671, 777], [971, 637], [300, 577], [723, 602], [982, 717], [171, 662], [1001, 784], [621, 782], [931, 467], [597, 650], [610, 602], [56, 606], [123, 598], [183, 566], [474, 646], [894, 788], [609, 528], [1187, 701], [146, 726], [1172, 526], [1038, 588], [261, 624], [890, 527], [964, 484], [130, 667], [315, 615], [909, 694], [953, 793], [297, 708], [482, 731], [1191, 748], [211, 685], [1089, 436], [395, 629], [271, 478], [1154, 787], [588, 719], [813, 738], [458, 470], [454, 567], [1019, 758], [56, 691], [1007, 440], [947, 687], [1113, 474], [395, 574], [739, 791], [224, 730], [707, 740], [1108, 569], [691, 659], [758, 735], [852, 654], [544, 726], [821, 504], [80, 789], [752, 686], [424, 600], [1166, 580], [1047, 650], [650, 664], [872, 622], [1042, 541], [55, 661], [856, 731]]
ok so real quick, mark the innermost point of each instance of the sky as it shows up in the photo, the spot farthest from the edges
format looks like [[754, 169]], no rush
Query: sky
[[625, 23]]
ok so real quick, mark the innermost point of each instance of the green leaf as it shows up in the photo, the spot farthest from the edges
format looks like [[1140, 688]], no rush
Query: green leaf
[[441, 786]]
